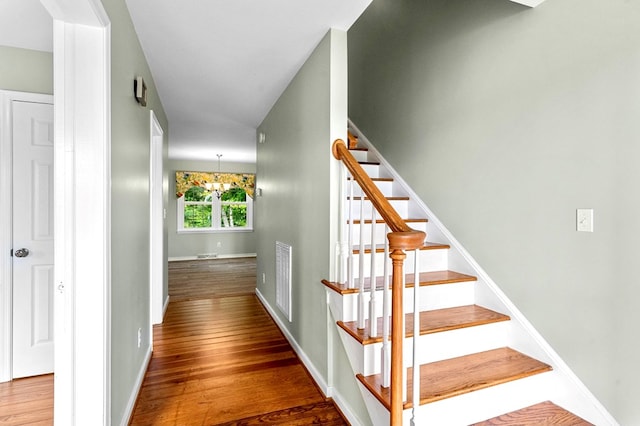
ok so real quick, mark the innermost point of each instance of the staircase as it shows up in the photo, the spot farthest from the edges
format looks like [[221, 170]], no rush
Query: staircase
[[477, 360]]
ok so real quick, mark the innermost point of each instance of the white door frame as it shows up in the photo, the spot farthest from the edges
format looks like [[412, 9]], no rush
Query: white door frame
[[6, 264], [82, 161], [156, 223]]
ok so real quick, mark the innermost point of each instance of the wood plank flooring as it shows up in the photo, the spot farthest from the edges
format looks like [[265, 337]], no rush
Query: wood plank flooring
[[27, 401], [219, 360], [222, 360], [205, 279]]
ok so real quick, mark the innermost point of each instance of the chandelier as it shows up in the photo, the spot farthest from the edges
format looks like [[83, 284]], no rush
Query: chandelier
[[218, 189]]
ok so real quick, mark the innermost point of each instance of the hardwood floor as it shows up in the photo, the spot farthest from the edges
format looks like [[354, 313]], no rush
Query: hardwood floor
[[205, 279], [27, 401], [220, 359]]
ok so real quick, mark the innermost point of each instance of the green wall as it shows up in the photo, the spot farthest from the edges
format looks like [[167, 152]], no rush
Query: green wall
[[130, 135], [297, 175], [190, 244], [505, 120], [25, 70]]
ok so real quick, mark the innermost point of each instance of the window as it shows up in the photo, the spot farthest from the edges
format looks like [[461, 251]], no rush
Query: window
[[208, 207]]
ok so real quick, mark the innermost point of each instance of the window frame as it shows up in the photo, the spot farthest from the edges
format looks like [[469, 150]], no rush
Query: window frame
[[216, 216]]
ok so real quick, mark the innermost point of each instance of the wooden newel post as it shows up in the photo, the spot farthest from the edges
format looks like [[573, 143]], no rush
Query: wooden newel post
[[397, 336], [398, 242]]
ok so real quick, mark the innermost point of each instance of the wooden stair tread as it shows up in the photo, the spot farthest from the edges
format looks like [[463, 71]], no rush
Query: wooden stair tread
[[426, 278], [377, 179], [368, 221], [434, 321], [380, 247], [393, 198], [353, 141], [457, 376], [545, 413]]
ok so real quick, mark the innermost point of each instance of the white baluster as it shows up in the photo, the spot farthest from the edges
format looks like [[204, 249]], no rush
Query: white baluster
[[350, 282], [361, 303], [341, 252], [416, 335], [402, 330], [373, 318], [386, 314]]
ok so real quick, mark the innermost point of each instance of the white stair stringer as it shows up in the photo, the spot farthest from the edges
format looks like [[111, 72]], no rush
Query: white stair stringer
[[560, 385]]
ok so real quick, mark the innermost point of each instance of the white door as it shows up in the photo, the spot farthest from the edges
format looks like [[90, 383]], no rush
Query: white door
[[32, 192]]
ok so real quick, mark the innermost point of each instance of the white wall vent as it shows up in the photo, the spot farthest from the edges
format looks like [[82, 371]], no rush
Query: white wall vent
[[283, 278]]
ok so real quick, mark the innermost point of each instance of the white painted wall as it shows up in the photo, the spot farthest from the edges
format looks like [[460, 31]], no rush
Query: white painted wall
[[505, 120], [296, 172]]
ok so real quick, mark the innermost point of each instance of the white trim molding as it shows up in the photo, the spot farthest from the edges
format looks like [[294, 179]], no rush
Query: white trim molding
[[210, 256], [320, 381], [131, 403], [325, 388], [82, 162]]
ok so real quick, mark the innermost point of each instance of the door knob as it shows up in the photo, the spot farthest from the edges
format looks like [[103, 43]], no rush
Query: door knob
[[23, 252]]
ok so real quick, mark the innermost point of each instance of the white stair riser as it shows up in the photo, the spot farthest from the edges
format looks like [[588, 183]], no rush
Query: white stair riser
[[372, 170], [345, 307], [487, 403], [386, 187], [471, 407], [380, 232], [429, 260], [438, 346], [401, 206], [360, 155]]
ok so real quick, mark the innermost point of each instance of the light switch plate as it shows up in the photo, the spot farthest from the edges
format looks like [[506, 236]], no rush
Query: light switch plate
[[584, 220]]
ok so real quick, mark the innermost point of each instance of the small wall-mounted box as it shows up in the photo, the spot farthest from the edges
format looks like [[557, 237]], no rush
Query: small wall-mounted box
[[140, 91]]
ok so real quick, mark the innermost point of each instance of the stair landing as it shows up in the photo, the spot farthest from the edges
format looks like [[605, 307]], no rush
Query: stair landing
[[545, 413], [457, 376]]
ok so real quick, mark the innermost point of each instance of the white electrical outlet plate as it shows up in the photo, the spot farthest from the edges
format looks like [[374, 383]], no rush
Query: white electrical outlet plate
[[584, 220]]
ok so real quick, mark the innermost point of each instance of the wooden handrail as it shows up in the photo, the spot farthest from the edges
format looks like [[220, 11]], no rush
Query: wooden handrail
[[388, 213], [401, 238]]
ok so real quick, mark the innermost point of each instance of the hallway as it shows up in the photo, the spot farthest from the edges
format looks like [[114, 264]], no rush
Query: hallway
[[220, 359]]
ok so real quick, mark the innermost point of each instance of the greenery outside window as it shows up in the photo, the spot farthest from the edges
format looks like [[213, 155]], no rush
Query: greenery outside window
[[205, 205]]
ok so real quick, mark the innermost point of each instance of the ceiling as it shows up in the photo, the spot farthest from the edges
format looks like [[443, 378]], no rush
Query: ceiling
[[25, 24], [218, 65]]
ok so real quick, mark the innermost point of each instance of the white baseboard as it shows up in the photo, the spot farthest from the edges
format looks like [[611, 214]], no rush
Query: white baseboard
[[136, 389], [327, 390], [220, 256], [320, 381], [165, 306], [345, 408]]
